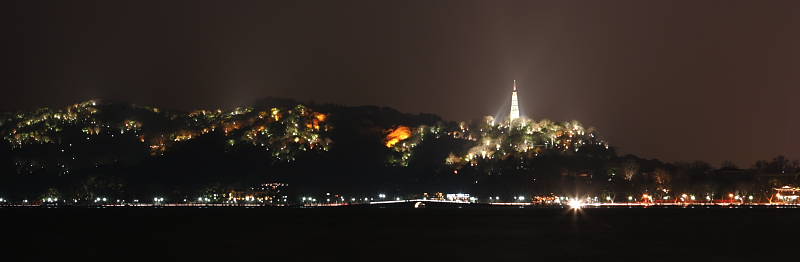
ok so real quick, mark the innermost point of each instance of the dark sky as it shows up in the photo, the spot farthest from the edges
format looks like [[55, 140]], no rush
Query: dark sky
[[674, 80]]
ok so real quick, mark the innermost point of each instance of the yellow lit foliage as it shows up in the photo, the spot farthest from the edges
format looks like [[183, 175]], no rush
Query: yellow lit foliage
[[398, 134], [321, 117]]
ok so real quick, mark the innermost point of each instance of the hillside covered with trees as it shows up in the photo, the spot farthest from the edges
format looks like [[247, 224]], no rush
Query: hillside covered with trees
[[125, 151]]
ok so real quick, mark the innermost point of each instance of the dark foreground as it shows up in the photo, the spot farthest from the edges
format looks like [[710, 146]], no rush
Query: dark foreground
[[384, 234]]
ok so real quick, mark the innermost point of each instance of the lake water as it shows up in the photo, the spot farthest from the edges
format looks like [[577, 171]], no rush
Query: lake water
[[391, 234]]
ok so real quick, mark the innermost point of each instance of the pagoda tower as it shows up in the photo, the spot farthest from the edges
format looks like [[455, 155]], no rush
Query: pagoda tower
[[514, 104]]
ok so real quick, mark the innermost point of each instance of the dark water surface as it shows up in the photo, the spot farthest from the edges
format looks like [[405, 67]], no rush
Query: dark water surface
[[392, 234]]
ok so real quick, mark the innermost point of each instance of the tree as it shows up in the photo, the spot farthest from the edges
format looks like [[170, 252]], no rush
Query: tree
[[630, 168], [51, 193], [727, 164], [663, 178]]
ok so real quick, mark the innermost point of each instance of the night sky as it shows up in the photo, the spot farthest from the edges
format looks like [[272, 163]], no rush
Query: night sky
[[674, 80]]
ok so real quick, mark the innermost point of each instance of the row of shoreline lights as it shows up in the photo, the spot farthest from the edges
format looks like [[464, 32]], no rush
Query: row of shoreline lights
[[571, 201], [381, 196], [96, 200], [683, 197]]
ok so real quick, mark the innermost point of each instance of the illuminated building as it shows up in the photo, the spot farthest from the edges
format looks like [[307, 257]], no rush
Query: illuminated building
[[514, 104], [458, 197], [263, 192], [786, 194]]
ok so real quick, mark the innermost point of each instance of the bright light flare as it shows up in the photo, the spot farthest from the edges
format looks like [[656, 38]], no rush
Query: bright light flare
[[575, 204]]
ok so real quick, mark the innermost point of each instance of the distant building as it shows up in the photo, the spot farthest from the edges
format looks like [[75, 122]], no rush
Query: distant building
[[786, 194], [458, 197], [263, 192]]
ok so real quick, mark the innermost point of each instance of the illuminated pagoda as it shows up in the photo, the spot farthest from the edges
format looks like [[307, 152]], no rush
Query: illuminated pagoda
[[514, 104]]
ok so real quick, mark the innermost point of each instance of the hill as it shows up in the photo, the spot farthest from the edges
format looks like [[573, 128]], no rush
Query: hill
[[120, 150]]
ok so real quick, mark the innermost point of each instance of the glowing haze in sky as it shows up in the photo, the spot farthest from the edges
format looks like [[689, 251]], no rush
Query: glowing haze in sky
[[675, 80]]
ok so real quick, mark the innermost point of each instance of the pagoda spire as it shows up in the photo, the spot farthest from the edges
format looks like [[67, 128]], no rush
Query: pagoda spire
[[514, 104]]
